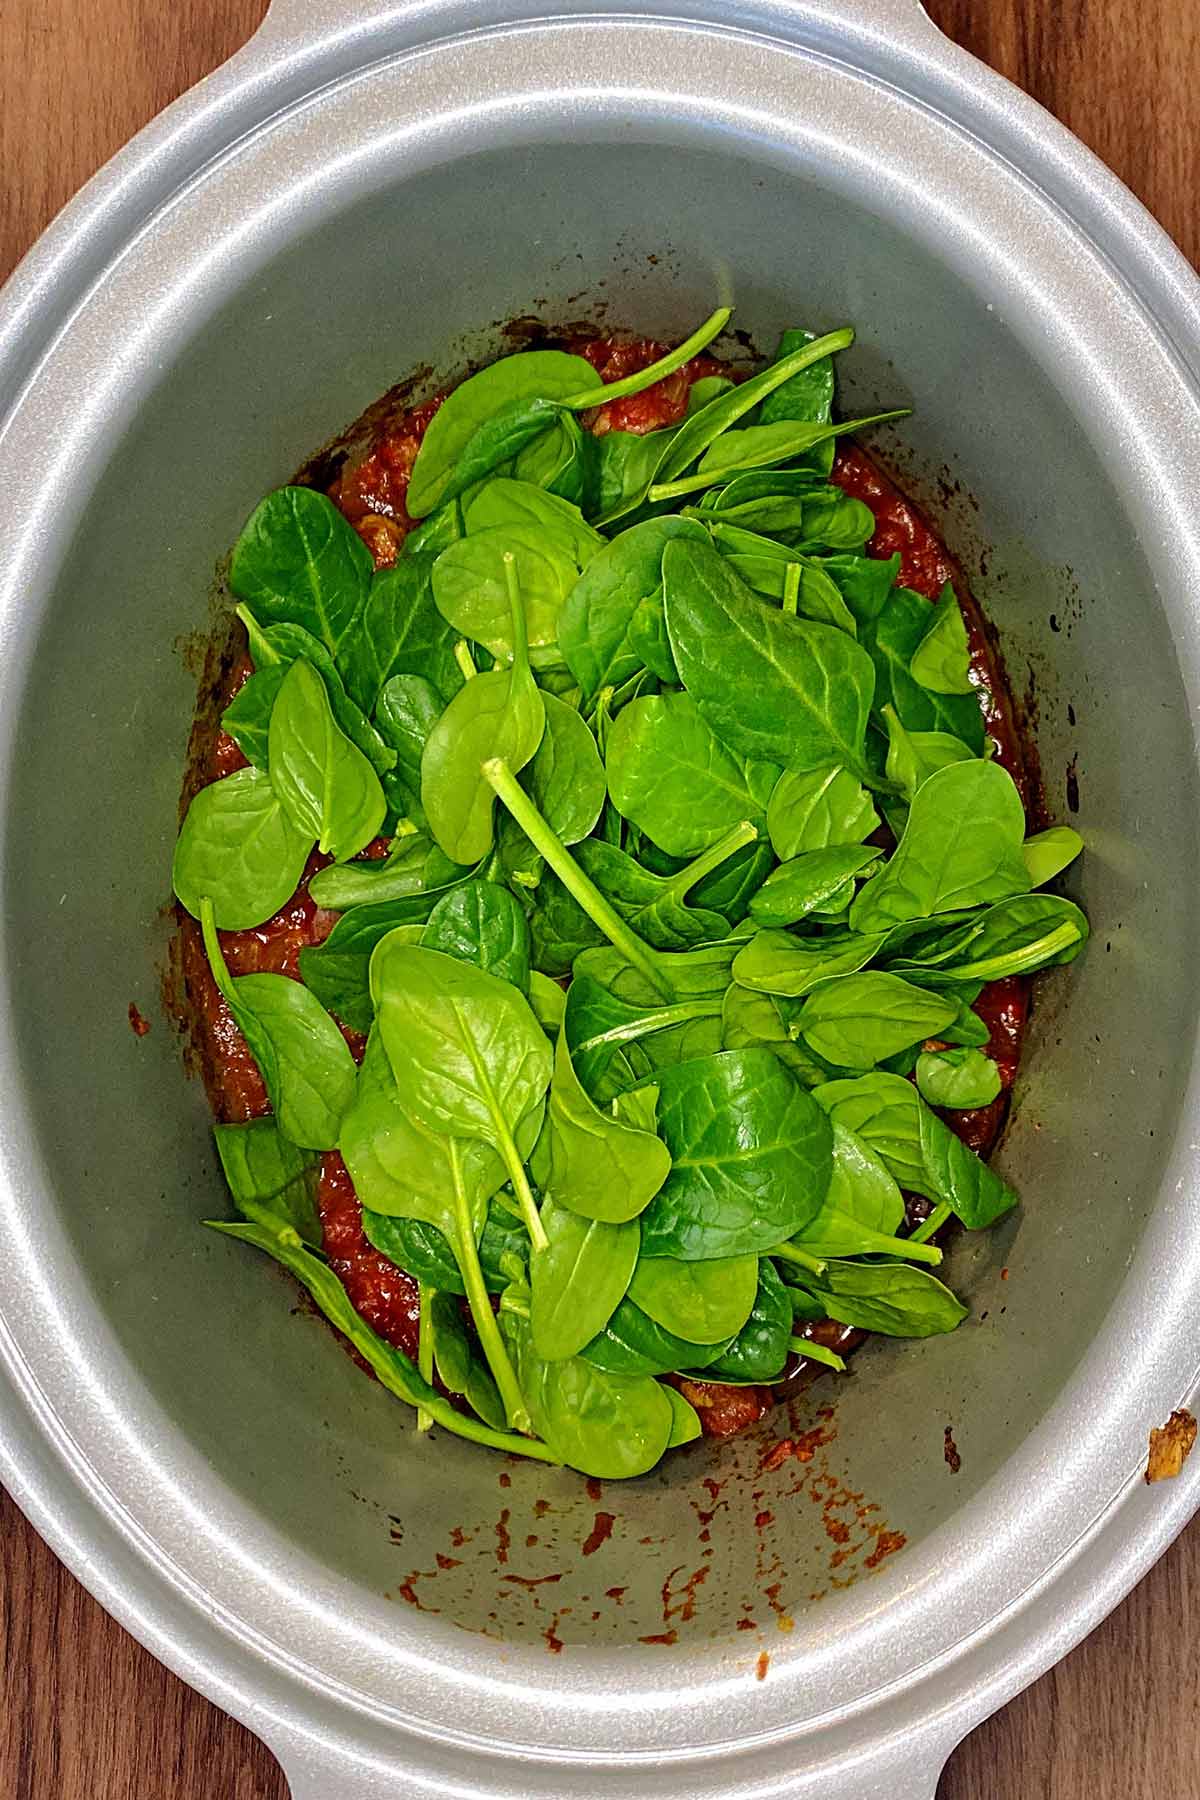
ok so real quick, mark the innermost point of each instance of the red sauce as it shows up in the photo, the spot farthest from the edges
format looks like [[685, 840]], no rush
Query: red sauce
[[371, 494]]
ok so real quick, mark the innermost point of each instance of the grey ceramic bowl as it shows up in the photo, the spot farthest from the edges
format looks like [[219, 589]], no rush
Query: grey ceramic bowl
[[361, 190]]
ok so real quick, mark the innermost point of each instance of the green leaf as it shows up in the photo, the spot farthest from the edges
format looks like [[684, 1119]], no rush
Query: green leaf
[[565, 777], [239, 848], [885, 1112], [532, 375], [394, 1370], [503, 502], [751, 1155], [413, 866], [806, 395], [481, 923], [632, 1344], [499, 715], [810, 882], [706, 1302], [656, 905], [942, 659], [248, 716], [282, 645], [470, 587], [773, 687], [577, 1281], [685, 1424], [776, 962], [606, 1425], [298, 560], [400, 632], [600, 1167], [863, 1208], [856, 1021], [760, 1349], [961, 847], [894, 1299], [913, 756], [672, 776], [819, 808], [891, 640], [1014, 937], [329, 788], [303, 1058], [957, 1078], [597, 626], [1047, 853], [960, 1179], [271, 1180], [408, 709]]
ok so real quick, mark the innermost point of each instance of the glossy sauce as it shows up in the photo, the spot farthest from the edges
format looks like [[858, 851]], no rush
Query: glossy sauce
[[371, 492]]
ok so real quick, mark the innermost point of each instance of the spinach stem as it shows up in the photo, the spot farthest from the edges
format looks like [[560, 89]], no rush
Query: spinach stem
[[816, 1353], [791, 588], [692, 484], [929, 1226], [516, 1173], [425, 1296], [657, 371], [464, 659], [212, 949], [659, 1020], [478, 1299], [504, 783], [712, 858], [791, 1253]]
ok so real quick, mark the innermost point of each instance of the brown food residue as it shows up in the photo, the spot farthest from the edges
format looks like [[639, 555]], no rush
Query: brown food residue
[[762, 1665], [600, 1533], [950, 1451], [138, 1023], [1170, 1446]]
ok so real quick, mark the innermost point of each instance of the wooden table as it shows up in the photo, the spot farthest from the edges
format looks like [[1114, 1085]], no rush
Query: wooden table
[[88, 1714]]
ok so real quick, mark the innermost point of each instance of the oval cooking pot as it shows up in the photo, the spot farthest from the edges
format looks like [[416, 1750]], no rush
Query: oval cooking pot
[[359, 192]]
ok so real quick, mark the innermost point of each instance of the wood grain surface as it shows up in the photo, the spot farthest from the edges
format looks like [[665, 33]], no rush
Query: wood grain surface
[[88, 1715]]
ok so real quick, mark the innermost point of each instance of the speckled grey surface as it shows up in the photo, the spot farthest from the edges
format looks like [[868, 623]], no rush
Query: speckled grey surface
[[360, 191]]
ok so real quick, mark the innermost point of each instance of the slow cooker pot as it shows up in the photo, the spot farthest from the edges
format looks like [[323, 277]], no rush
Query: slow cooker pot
[[363, 190]]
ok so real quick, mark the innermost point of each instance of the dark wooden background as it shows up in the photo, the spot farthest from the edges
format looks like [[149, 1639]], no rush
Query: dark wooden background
[[88, 1715]]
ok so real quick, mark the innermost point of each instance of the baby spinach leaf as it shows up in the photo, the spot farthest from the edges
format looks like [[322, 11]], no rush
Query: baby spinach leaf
[[857, 1021], [548, 1000], [565, 777], [913, 756], [974, 1193], [468, 1056], [409, 707], [282, 645], [957, 1078], [303, 1058], [758, 446], [685, 1424], [596, 628], [481, 923], [239, 848], [1046, 854], [891, 641], [632, 1344], [772, 687], [470, 586], [428, 539], [961, 847], [706, 1302], [862, 1204], [685, 974], [498, 715], [272, 1181], [547, 375], [625, 466], [674, 778], [656, 905], [328, 787], [728, 889], [837, 521], [765, 1021], [298, 560], [892, 1298], [560, 461], [414, 865], [577, 1281], [559, 928], [338, 973], [777, 962], [808, 394], [601, 1026], [864, 582], [760, 1349], [809, 882], [247, 717], [709, 387], [424, 1252], [394, 1370], [821, 807], [704, 428], [502, 502], [606, 1425], [750, 1157], [885, 1112], [942, 659], [400, 632], [648, 639], [1014, 937], [599, 1166]]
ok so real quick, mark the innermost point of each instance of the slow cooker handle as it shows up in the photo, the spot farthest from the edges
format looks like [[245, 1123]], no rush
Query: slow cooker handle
[[908, 1771], [299, 24]]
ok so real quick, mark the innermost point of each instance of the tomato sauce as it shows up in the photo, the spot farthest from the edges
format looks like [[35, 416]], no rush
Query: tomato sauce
[[371, 493]]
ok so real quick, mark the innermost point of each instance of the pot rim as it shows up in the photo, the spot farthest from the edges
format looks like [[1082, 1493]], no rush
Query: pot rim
[[279, 73]]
